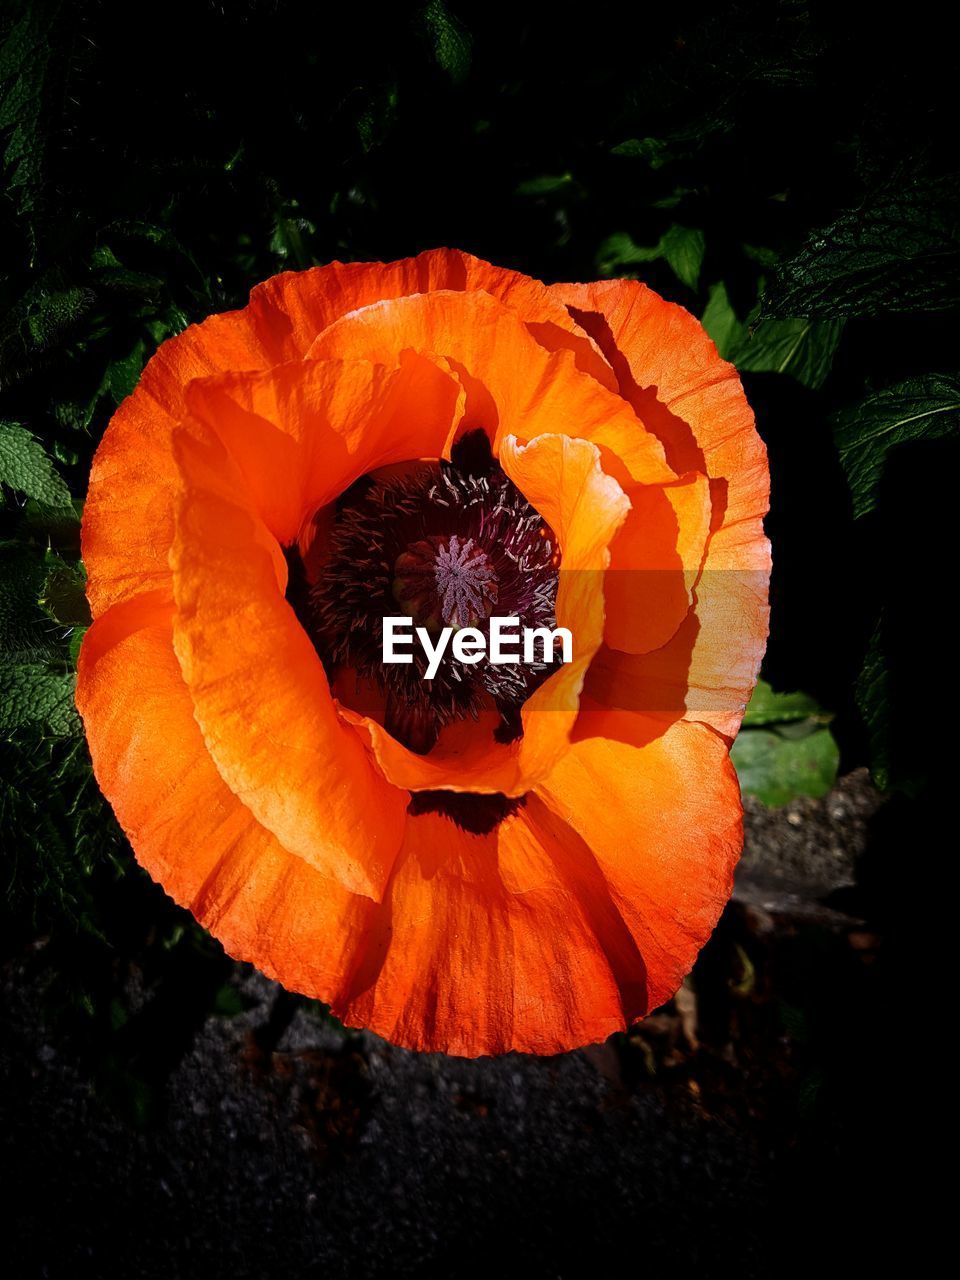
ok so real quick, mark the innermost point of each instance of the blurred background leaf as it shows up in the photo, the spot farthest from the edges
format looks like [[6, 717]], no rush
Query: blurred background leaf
[[785, 748], [776, 766]]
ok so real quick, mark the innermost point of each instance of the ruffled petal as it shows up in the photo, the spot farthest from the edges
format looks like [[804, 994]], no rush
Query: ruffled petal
[[187, 828], [259, 691], [669, 370], [663, 820], [128, 514], [302, 433], [301, 304], [569, 921], [128, 517], [486, 344], [485, 944], [707, 670], [655, 561]]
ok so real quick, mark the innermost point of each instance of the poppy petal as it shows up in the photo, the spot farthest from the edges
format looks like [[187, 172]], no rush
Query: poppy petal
[[655, 560], [128, 516], [188, 830], [301, 304], [670, 371], [666, 836], [259, 690], [490, 943], [486, 343], [707, 670], [573, 918], [566, 944], [303, 432]]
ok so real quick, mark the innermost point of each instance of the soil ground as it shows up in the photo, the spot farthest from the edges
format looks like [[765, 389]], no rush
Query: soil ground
[[729, 1134]]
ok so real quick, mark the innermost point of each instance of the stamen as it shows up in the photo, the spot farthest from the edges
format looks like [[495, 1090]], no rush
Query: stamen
[[450, 547]]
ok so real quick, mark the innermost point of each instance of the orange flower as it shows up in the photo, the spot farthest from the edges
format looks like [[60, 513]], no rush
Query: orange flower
[[503, 857]]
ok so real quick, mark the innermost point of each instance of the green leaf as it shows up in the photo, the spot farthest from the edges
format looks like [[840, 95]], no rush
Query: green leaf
[[25, 53], [37, 321], [720, 320], [546, 184], [55, 827], [49, 315], [63, 596], [289, 239], [768, 707], [22, 637], [76, 640], [898, 252], [452, 43], [375, 123], [25, 468], [36, 695], [683, 248], [764, 257], [619, 250], [804, 349], [776, 767], [872, 692], [55, 527], [123, 375], [675, 197], [655, 152], [922, 408], [116, 382], [903, 732]]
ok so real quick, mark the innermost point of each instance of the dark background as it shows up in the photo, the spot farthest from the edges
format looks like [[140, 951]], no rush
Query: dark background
[[787, 168]]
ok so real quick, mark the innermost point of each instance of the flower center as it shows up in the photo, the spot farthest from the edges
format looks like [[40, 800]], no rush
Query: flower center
[[445, 580], [449, 544]]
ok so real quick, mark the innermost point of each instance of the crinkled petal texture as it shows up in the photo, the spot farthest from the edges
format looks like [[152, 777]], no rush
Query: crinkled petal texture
[[283, 819]]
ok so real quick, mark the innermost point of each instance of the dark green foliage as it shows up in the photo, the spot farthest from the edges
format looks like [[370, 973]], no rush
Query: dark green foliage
[[27, 56], [25, 468], [680, 247], [35, 695], [54, 824], [23, 637], [924, 408], [450, 41], [57, 831], [802, 349], [896, 251]]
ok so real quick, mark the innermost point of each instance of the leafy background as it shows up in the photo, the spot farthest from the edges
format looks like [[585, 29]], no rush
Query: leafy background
[[784, 169]]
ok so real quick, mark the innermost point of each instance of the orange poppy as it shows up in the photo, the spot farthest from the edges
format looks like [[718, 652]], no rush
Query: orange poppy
[[501, 857]]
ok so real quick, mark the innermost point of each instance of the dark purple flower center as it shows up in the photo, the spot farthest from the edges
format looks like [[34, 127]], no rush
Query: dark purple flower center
[[446, 577], [449, 545]]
